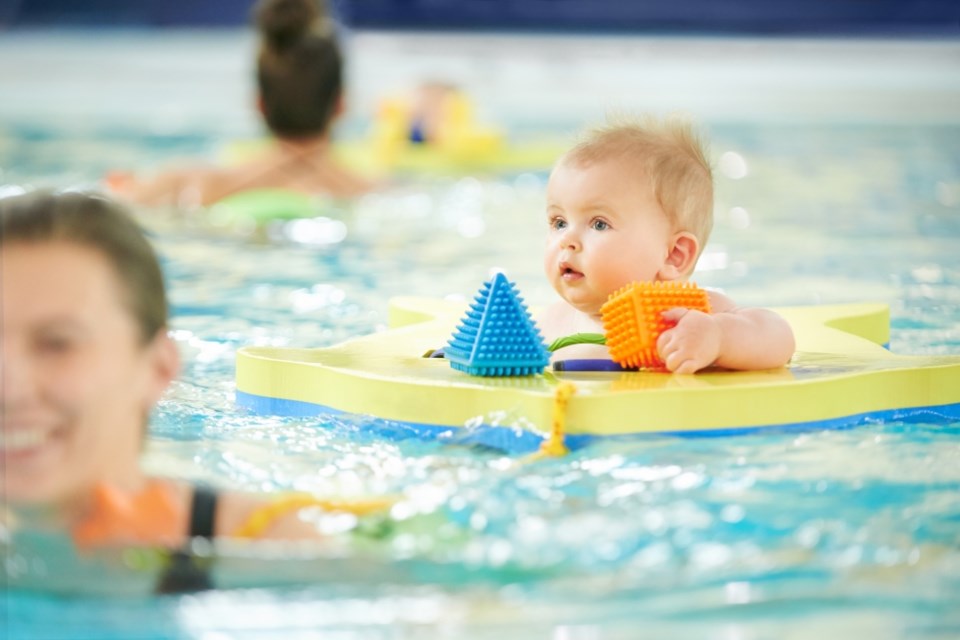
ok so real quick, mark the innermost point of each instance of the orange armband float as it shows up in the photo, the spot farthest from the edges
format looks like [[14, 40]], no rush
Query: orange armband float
[[153, 517], [633, 319]]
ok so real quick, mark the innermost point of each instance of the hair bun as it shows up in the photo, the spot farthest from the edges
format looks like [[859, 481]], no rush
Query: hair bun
[[283, 22]]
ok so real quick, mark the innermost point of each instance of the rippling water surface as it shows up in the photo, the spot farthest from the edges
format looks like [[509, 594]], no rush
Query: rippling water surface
[[850, 533]]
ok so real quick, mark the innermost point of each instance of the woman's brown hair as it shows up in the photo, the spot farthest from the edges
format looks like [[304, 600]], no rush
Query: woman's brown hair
[[299, 68], [100, 224]]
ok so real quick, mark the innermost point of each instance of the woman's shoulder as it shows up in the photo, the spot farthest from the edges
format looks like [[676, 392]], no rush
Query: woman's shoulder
[[256, 515]]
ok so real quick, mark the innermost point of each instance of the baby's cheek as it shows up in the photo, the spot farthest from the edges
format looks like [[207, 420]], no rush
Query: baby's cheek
[[609, 277], [549, 261]]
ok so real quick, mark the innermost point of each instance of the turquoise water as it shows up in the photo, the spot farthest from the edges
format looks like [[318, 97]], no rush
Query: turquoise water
[[849, 533]]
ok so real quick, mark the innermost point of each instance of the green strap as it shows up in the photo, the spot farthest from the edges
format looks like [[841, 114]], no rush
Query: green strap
[[577, 338]]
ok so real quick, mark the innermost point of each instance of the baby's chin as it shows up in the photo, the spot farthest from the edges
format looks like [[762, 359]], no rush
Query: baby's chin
[[588, 308], [581, 301]]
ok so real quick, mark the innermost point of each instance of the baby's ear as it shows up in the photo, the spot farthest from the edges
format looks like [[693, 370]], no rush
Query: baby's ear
[[681, 258]]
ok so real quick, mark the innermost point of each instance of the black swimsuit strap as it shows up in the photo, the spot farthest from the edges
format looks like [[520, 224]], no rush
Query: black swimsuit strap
[[203, 513], [187, 573]]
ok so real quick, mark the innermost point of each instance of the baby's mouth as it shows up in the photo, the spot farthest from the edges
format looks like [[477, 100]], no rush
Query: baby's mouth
[[569, 273]]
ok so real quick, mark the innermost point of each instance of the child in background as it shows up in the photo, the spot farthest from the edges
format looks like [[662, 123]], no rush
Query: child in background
[[300, 83], [633, 202]]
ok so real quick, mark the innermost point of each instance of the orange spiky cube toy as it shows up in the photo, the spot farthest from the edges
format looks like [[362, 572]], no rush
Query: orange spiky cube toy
[[633, 320]]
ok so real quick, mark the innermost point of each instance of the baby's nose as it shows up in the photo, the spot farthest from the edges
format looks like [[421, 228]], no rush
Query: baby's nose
[[570, 241]]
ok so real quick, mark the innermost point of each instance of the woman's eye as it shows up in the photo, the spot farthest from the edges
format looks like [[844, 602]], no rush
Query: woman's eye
[[54, 344], [600, 225]]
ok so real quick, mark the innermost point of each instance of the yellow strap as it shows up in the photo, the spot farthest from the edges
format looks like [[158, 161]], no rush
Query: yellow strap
[[554, 446], [262, 517]]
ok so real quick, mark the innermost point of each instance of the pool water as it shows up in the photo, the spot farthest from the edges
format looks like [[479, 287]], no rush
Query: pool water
[[838, 533]]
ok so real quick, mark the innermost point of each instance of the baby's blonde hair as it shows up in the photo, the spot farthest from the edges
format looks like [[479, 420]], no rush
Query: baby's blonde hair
[[670, 154]]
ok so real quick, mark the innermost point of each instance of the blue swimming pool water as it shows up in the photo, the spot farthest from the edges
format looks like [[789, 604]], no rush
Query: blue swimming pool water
[[850, 533]]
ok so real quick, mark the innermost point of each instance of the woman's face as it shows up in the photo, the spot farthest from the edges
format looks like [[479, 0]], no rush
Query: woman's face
[[76, 379]]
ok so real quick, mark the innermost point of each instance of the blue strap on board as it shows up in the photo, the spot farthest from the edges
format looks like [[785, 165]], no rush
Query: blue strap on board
[[588, 364]]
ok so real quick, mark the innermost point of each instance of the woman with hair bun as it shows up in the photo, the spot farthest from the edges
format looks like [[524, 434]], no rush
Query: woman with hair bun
[[300, 96]]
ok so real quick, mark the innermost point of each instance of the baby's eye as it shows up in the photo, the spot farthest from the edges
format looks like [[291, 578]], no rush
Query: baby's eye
[[558, 223], [600, 225]]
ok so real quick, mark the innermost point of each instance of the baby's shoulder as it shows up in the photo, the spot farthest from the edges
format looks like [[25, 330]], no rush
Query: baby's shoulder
[[561, 319], [550, 317], [719, 302]]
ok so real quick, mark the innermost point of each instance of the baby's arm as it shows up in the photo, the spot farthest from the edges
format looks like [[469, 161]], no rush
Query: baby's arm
[[730, 337]]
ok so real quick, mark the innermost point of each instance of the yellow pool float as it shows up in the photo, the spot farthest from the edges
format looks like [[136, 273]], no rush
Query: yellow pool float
[[438, 131], [381, 154], [840, 376], [454, 142]]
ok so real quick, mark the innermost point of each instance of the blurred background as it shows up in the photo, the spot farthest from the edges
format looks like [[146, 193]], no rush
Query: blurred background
[[835, 125], [925, 17], [178, 67]]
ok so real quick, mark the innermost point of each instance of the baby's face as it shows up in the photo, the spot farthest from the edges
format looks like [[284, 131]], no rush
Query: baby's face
[[606, 230]]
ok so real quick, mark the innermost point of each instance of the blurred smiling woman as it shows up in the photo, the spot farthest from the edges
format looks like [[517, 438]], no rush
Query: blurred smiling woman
[[85, 348], [85, 358]]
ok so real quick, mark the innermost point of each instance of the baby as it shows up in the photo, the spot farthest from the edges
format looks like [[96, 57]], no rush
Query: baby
[[634, 202]]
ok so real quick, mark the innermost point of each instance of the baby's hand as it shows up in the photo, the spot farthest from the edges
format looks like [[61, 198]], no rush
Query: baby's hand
[[691, 345]]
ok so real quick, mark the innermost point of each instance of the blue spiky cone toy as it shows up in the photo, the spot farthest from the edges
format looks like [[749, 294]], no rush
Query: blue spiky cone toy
[[497, 336]]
